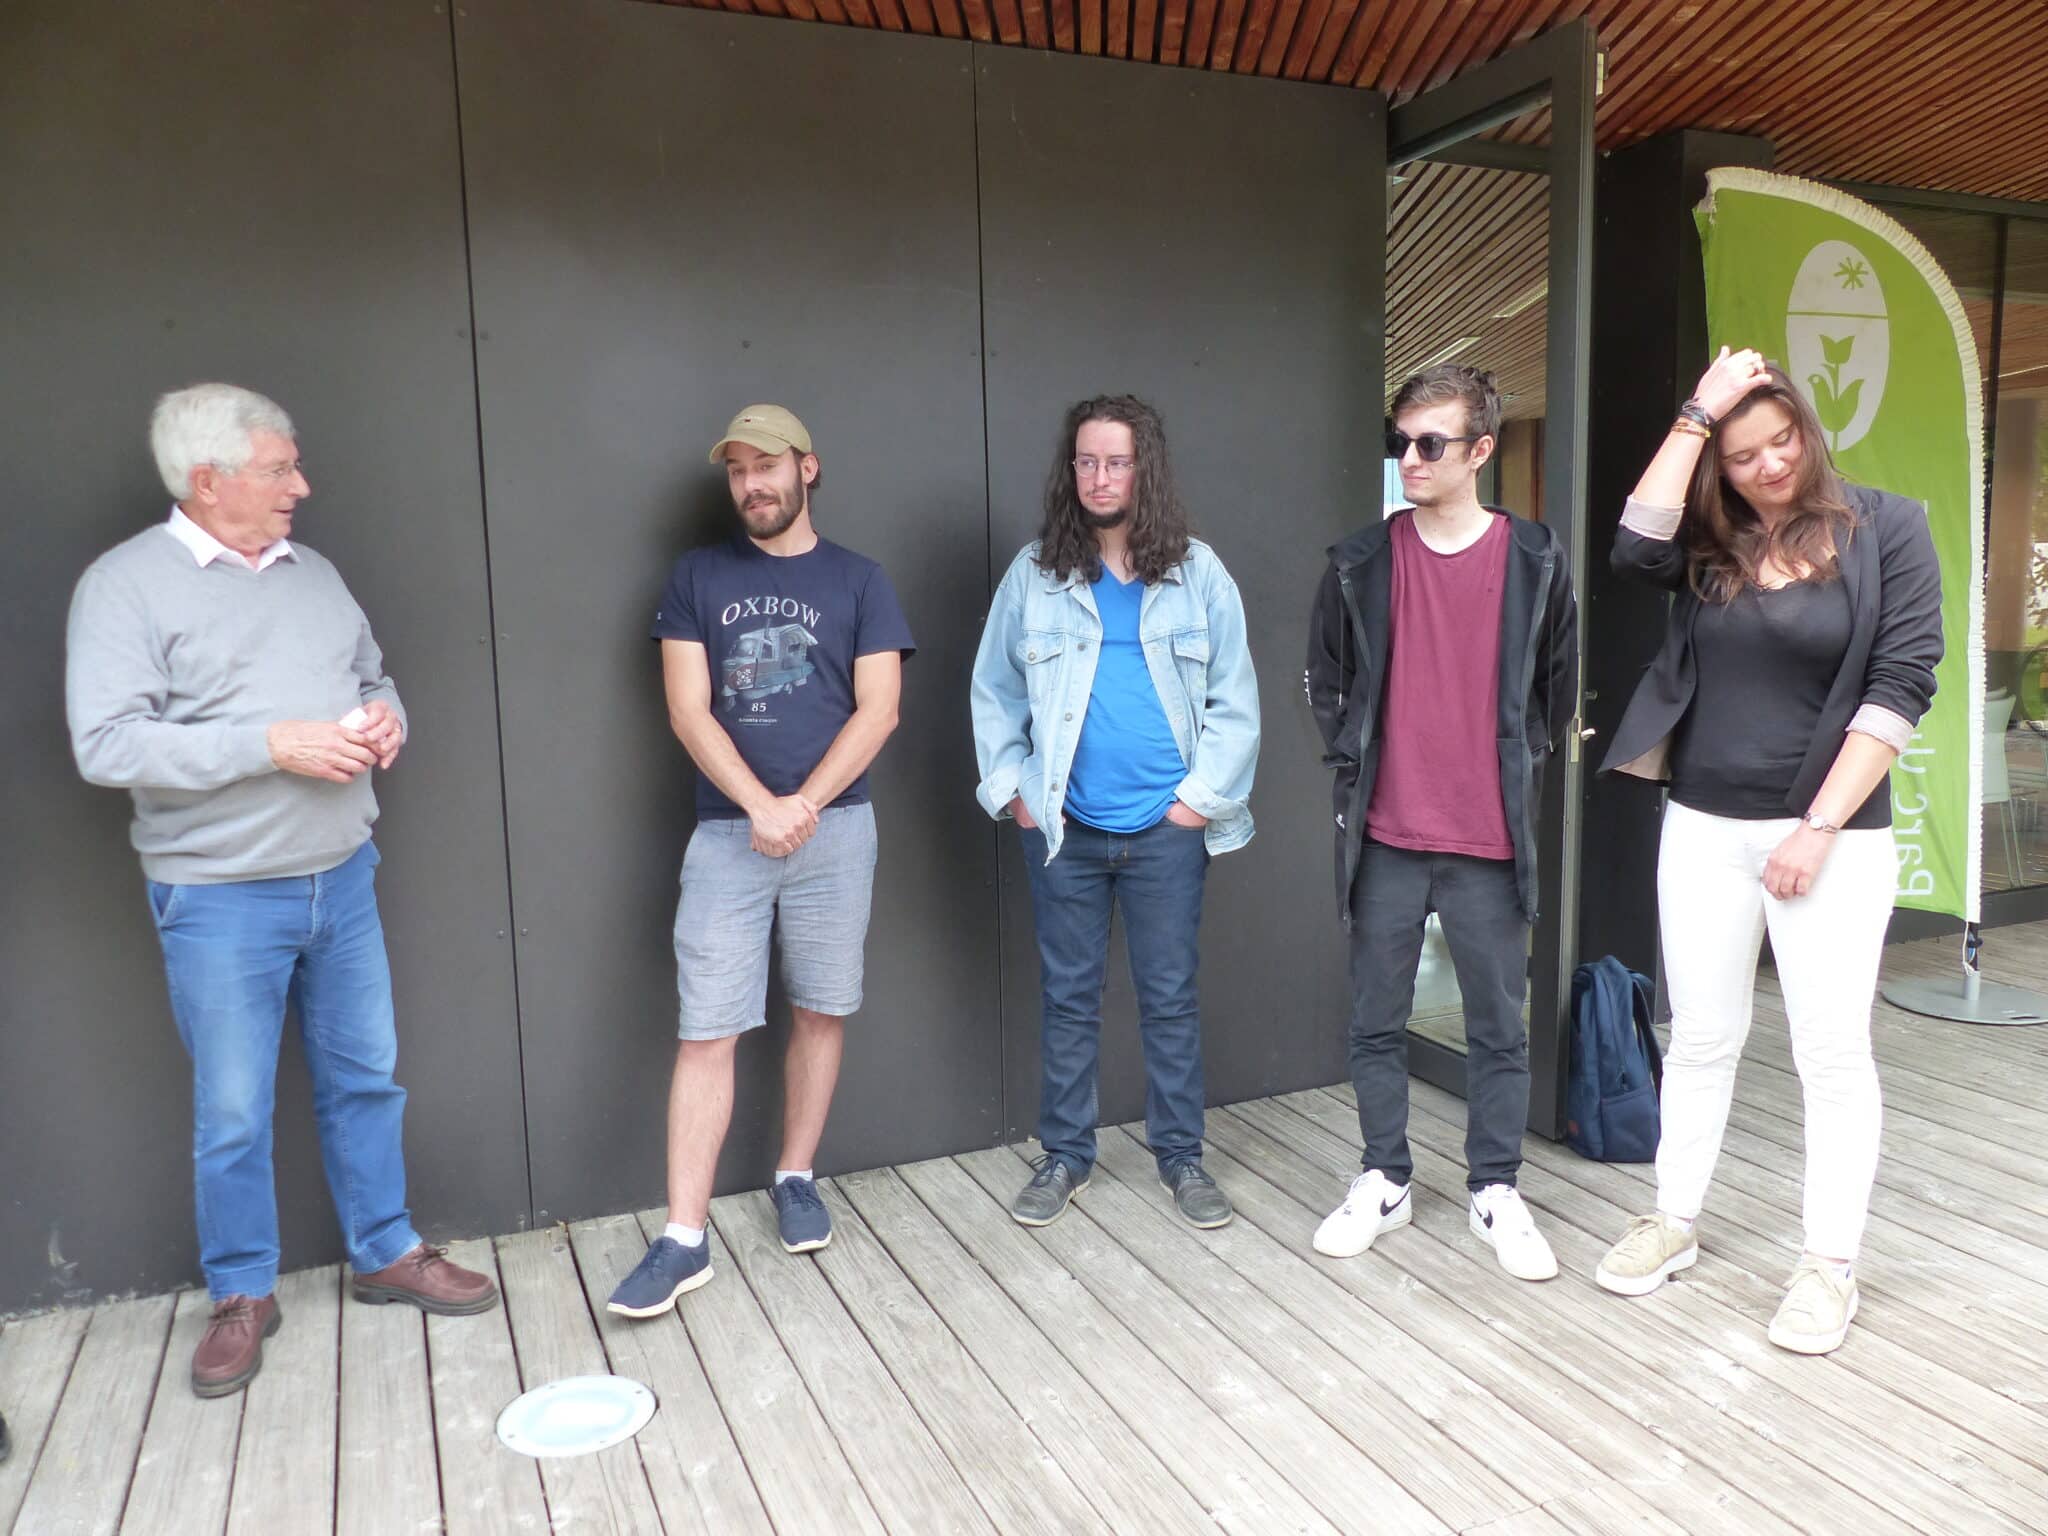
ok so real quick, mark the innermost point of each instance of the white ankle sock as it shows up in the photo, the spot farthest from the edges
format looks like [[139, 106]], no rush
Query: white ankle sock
[[689, 1237], [1841, 1269], [1683, 1223], [784, 1175]]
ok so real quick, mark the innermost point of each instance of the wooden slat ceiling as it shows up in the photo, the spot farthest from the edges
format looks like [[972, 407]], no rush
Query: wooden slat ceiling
[[1923, 93], [1940, 94]]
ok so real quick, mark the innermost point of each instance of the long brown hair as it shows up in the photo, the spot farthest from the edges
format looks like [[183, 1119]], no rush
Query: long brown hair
[[1727, 543], [1158, 525]]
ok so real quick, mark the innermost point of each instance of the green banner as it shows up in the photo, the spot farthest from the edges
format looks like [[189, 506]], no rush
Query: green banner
[[1853, 307]]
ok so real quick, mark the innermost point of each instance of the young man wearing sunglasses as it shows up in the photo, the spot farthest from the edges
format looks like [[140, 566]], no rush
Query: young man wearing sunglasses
[[1442, 670]]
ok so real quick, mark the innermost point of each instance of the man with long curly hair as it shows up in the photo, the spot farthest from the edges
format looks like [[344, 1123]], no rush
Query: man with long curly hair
[[1116, 720]]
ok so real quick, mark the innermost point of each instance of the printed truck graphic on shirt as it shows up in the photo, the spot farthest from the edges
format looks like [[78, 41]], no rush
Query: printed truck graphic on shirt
[[764, 662]]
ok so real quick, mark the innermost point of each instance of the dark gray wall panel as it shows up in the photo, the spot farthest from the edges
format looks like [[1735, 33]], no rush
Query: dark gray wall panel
[[674, 213], [266, 191], [1214, 245]]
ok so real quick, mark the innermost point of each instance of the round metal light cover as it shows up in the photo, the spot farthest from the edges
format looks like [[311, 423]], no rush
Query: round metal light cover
[[575, 1416]]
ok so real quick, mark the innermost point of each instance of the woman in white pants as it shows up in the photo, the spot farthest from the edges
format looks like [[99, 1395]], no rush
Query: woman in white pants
[[1800, 653]]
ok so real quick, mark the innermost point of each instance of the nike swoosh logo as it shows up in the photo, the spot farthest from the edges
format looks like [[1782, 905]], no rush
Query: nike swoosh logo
[[1388, 1210]]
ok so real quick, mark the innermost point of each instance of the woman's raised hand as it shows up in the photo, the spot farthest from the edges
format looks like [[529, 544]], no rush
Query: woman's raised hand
[[1728, 378]]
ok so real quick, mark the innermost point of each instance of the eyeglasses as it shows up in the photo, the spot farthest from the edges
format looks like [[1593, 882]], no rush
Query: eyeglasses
[[1117, 469], [282, 471], [1429, 447]]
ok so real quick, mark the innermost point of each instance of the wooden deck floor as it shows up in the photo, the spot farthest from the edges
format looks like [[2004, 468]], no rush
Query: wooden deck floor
[[940, 1369]]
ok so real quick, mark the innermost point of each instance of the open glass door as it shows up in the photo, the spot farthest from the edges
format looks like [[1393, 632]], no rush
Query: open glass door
[[1489, 261]]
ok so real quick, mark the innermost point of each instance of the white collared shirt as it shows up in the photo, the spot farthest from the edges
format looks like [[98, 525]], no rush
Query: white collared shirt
[[206, 548]]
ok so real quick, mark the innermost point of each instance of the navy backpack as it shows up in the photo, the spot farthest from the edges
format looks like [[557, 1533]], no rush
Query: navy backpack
[[1611, 1109]]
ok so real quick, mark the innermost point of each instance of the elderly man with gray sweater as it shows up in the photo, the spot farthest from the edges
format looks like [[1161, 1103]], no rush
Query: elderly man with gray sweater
[[224, 676]]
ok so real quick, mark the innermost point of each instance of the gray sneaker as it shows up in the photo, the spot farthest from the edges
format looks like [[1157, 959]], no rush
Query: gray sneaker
[[1196, 1193], [1053, 1184]]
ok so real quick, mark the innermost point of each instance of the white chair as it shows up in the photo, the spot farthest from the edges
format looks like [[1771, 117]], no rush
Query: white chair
[[1998, 779]]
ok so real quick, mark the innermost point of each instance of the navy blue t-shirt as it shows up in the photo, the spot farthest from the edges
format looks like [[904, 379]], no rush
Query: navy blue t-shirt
[[781, 633]]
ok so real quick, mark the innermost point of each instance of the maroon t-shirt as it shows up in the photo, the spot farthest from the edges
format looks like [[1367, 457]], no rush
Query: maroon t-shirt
[[1438, 788]]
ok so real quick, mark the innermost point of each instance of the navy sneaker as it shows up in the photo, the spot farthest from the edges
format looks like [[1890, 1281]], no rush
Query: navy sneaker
[[800, 1212], [668, 1270], [1053, 1184], [1195, 1193]]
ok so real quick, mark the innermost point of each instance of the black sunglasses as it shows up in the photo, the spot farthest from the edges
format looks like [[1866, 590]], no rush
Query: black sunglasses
[[1430, 446]]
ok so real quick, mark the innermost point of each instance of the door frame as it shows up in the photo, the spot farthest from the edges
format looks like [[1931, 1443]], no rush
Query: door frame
[[1560, 70]]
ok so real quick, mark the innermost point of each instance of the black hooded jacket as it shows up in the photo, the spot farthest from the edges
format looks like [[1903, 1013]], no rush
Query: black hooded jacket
[[1347, 673]]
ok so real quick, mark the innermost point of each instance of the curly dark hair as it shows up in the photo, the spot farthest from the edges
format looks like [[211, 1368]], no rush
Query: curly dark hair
[[1158, 525]]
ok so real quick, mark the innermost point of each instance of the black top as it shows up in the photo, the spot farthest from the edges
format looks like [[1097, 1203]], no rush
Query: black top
[[1765, 662], [1892, 582]]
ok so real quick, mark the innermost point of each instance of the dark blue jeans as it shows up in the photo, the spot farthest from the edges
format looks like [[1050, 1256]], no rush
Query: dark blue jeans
[[235, 954], [1154, 878]]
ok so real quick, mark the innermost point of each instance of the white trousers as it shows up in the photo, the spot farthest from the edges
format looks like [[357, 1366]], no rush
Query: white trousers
[[1827, 944]]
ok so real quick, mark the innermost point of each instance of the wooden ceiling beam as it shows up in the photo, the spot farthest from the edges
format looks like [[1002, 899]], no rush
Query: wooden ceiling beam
[[1961, 97], [1037, 34], [1710, 96], [1117, 29], [1223, 45], [1173, 26], [1990, 115], [1892, 49], [1063, 28], [1308, 29], [1407, 45], [1344, 16], [1267, 34], [1144, 29]]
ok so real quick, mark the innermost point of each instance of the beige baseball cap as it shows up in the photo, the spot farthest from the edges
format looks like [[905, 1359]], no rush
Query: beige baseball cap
[[770, 428]]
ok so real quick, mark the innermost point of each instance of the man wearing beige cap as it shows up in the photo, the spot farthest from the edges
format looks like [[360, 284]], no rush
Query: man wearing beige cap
[[782, 656]]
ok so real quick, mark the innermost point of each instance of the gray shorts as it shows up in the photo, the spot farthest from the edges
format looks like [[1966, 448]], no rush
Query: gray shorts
[[816, 901]]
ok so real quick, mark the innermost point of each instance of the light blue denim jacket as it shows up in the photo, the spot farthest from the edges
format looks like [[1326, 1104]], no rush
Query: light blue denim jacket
[[1036, 667]]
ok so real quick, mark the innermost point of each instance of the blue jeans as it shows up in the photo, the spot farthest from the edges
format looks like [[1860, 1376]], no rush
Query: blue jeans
[[1155, 878], [235, 954]]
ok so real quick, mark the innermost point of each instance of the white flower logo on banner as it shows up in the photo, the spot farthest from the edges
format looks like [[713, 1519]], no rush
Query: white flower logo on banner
[[1839, 340]]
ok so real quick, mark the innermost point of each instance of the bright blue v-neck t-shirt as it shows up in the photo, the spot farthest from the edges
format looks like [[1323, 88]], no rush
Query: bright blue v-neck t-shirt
[[1127, 764]]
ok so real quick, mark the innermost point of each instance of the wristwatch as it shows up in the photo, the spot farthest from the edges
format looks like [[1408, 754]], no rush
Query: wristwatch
[[1820, 823]]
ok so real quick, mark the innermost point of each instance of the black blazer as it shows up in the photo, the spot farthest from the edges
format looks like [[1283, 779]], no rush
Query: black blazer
[[1894, 583]]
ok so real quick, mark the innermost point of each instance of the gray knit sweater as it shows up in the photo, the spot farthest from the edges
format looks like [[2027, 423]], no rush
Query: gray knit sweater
[[175, 672]]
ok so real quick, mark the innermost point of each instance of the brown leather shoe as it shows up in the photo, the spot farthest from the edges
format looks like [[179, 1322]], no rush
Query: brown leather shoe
[[425, 1279], [230, 1352]]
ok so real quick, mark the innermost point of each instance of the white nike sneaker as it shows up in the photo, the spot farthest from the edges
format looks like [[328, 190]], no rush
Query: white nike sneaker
[[1372, 1205], [1499, 1216]]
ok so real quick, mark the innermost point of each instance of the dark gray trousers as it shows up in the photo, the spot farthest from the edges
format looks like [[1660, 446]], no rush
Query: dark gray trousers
[[1394, 893]]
